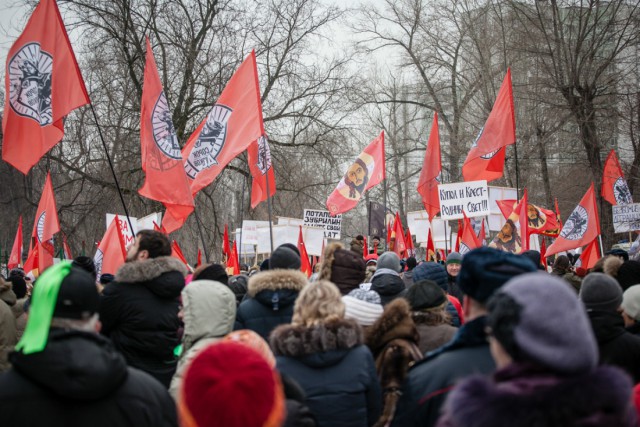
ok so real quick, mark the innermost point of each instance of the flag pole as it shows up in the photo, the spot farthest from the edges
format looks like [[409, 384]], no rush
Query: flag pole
[[204, 244], [244, 183], [446, 238], [385, 212], [269, 209], [515, 153], [601, 249], [113, 172]]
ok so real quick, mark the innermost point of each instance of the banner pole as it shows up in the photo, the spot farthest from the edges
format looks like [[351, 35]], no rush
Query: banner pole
[[269, 209], [244, 183], [446, 239], [601, 249], [385, 214], [515, 153], [204, 244]]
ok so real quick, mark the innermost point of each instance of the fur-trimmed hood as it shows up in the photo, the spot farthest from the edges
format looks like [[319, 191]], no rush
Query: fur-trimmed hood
[[319, 345], [164, 276], [6, 293], [344, 268], [273, 280], [515, 396], [395, 322]]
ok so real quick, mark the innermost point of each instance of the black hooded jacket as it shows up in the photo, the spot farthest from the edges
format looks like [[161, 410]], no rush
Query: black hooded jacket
[[139, 312], [81, 380]]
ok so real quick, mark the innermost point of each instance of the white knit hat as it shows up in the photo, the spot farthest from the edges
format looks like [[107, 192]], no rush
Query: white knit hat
[[365, 313], [631, 302]]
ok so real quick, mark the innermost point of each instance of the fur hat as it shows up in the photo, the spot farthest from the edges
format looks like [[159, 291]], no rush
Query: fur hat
[[600, 291], [631, 302], [389, 260], [284, 258], [425, 294], [486, 269], [344, 268], [545, 307], [223, 381]]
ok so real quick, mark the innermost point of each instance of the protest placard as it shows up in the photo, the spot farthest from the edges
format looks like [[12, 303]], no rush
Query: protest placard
[[332, 225], [626, 217], [471, 197]]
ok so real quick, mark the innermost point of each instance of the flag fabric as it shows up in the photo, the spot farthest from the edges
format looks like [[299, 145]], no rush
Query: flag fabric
[[31, 264], [485, 161], [431, 248], [305, 265], [15, 259], [614, 187], [165, 178], [461, 225], [431, 173], [232, 125], [514, 235], [468, 240], [590, 255], [226, 250], [555, 202], [377, 212], [66, 250], [543, 253], [261, 171], [45, 226], [408, 241], [541, 221], [42, 85], [365, 248], [482, 236], [233, 263], [397, 237], [581, 227], [111, 252], [199, 261], [367, 171], [176, 252]]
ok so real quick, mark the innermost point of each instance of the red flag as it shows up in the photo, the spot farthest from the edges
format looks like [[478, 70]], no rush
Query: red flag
[[199, 262], [543, 253], [482, 236], [165, 178], [66, 250], [233, 263], [590, 255], [430, 175], [226, 250], [367, 171], [305, 266], [31, 264], [389, 236], [111, 252], [261, 171], [159, 228], [365, 248], [397, 237], [408, 241], [15, 259], [485, 161], [555, 201], [459, 235], [468, 240], [46, 224], [514, 235], [431, 249], [541, 220], [614, 187], [232, 125], [582, 226], [42, 85], [176, 252]]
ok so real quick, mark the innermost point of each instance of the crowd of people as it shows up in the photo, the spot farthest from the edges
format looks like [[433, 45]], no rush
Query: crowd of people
[[485, 339]]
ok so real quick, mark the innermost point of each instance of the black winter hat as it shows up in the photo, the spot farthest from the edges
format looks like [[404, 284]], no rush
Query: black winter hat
[[78, 296], [534, 256], [106, 278], [264, 265], [18, 285], [85, 263], [214, 272], [425, 294], [284, 258], [628, 274], [485, 269]]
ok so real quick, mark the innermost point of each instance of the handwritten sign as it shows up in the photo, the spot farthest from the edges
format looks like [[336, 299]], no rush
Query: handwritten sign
[[471, 197], [127, 232], [332, 226], [626, 218]]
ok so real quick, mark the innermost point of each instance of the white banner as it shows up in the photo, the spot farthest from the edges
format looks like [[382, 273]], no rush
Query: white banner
[[313, 238], [250, 231], [127, 232], [471, 197], [146, 223], [283, 220], [626, 218], [332, 226]]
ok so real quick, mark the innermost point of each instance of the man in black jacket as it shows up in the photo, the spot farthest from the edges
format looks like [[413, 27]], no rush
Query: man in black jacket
[[139, 310], [65, 374], [483, 271]]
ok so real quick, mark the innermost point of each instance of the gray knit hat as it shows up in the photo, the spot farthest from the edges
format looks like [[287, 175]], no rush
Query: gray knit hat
[[454, 258], [553, 328], [600, 291], [389, 260]]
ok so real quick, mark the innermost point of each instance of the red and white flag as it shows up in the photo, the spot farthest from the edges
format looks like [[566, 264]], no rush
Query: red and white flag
[[305, 265], [514, 235], [408, 241], [485, 161], [581, 227], [431, 173], [614, 187], [261, 171], [468, 239], [42, 85], [111, 252], [46, 224], [232, 125], [590, 255], [541, 221], [15, 259], [165, 178], [367, 171]]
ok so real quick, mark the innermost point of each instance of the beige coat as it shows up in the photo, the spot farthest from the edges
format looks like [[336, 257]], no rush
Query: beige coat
[[8, 334]]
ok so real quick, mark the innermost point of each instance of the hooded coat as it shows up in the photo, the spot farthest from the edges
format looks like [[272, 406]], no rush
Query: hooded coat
[[209, 312], [388, 284], [20, 315], [270, 298], [344, 268], [8, 332], [526, 397], [81, 380], [139, 312], [334, 368]]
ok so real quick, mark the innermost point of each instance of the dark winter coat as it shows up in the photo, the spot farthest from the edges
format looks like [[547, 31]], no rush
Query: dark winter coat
[[8, 331], [393, 341], [453, 288], [434, 330], [407, 278], [357, 246], [388, 284], [139, 312], [430, 380], [528, 397], [269, 302], [81, 380], [335, 370], [616, 345]]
